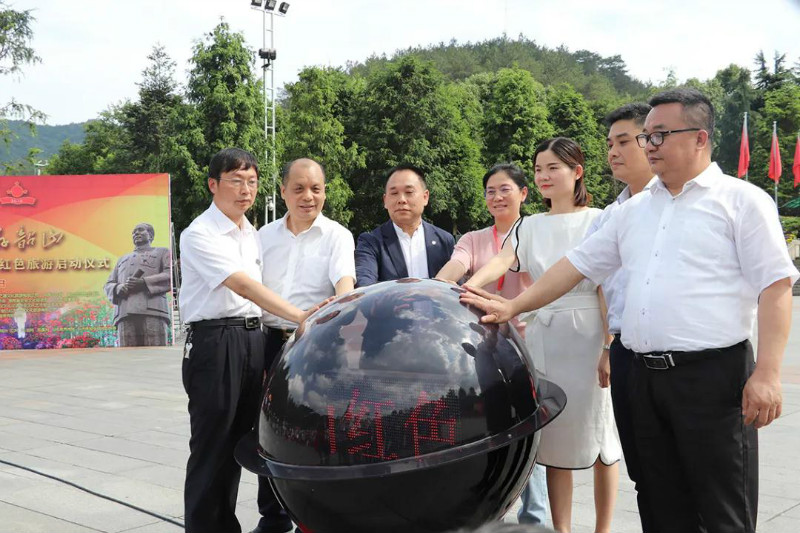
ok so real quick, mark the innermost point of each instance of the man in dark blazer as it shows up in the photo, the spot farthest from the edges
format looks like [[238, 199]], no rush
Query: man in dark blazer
[[406, 246]]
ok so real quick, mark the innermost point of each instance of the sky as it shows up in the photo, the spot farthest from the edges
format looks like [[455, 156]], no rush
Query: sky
[[93, 52]]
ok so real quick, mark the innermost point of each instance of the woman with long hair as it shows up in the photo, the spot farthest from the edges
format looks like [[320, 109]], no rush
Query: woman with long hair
[[565, 338]]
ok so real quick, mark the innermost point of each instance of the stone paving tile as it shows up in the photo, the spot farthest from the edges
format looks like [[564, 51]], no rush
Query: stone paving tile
[[136, 450], [72, 505], [158, 437], [15, 519], [89, 459], [47, 432]]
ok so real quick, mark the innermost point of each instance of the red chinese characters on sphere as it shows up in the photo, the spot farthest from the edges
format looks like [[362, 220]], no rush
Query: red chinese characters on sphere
[[361, 431]]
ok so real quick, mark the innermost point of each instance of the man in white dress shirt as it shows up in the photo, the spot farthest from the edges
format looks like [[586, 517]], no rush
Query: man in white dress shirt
[[705, 253], [629, 165], [307, 258], [223, 364]]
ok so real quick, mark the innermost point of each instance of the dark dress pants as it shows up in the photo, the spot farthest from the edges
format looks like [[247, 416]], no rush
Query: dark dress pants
[[620, 359], [273, 517], [222, 376], [698, 460]]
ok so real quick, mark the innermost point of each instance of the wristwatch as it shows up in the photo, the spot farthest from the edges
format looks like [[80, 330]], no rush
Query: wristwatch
[[606, 346]]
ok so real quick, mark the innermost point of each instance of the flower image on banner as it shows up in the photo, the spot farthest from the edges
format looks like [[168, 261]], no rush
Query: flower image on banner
[[67, 246]]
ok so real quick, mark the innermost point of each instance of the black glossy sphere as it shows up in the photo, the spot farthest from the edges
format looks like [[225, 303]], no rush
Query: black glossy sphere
[[396, 410]]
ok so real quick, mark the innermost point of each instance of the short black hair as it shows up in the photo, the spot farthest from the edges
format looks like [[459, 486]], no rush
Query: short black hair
[[413, 168], [231, 159], [288, 167], [636, 111], [698, 111], [513, 171]]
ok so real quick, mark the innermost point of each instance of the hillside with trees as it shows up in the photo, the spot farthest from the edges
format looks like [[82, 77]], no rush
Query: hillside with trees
[[452, 109]]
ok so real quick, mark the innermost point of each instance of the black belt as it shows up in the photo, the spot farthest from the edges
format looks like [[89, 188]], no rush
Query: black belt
[[283, 333], [671, 359], [250, 322]]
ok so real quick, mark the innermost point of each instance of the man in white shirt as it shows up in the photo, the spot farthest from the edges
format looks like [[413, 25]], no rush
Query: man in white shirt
[[406, 246], [223, 364], [307, 258], [629, 165], [704, 252]]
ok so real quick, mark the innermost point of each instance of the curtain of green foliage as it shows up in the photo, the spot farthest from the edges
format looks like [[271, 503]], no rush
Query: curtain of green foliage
[[407, 114], [312, 127]]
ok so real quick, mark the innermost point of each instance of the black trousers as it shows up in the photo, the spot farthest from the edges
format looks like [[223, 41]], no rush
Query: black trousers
[[222, 375], [621, 358], [698, 460], [273, 517]]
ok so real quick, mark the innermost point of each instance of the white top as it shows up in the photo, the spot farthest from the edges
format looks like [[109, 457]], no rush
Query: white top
[[305, 268], [414, 251], [213, 248], [614, 285], [697, 262]]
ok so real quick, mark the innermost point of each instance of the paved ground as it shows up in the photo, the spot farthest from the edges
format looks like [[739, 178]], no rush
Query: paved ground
[[115, 421]]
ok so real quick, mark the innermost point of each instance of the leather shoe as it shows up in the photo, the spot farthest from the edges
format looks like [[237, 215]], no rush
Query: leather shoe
[[260, 529]]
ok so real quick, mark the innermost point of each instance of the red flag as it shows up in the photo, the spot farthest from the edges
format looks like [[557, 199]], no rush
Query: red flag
[[796, 165], [744, 150], [775, 168]]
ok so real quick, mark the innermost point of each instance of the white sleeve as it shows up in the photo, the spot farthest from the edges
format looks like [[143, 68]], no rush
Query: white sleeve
[[342, 263], [760, 244], [201, 252], [598, 256]]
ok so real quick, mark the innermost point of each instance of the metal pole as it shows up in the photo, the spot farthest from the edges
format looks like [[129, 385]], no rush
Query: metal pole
[[272, 112]]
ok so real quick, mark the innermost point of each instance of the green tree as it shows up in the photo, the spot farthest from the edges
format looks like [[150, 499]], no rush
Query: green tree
[[227, 109], [407, 114], [312, 126], [572, 117], [738, 97], [15, 52], [106, 149]]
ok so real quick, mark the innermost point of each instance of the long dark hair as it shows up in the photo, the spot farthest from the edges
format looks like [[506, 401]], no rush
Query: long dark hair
[[570, 153]]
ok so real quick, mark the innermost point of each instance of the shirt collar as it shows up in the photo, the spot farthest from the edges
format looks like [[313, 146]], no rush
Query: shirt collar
[[226, 225], [402, 234], [706, 179], [319, 223]]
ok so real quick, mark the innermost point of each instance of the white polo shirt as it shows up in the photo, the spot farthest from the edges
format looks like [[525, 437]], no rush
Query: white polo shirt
[[305, 268], [614, 285], [213, 248], [414, 251], [697, 262]]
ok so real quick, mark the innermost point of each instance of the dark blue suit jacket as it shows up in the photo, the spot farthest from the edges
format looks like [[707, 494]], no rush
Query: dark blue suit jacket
[[380, 258]]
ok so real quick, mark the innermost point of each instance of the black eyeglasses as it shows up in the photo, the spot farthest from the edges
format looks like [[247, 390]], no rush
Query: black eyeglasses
[[657, 137]]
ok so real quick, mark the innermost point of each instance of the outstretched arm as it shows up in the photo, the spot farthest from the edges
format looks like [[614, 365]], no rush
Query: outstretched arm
[[555, 283]]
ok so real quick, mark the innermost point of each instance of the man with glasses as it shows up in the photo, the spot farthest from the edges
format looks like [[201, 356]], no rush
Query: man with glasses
[[406, 246], [223, 363], [306, 258], [704, 252]]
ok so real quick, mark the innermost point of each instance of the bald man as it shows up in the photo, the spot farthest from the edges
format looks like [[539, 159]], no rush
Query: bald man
[[306, 258]]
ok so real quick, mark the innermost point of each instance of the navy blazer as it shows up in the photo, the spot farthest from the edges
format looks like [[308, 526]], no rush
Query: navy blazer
[[380, 258]]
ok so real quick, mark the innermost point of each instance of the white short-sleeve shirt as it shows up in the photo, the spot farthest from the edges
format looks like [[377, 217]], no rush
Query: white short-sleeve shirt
[[212, 248], [305, 268], [696, 262]]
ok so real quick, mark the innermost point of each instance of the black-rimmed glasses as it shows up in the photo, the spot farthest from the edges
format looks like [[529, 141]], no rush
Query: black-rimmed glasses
[[657, 137]]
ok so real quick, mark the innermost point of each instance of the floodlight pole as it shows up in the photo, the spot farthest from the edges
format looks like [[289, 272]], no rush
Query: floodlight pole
[[267, 54]]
